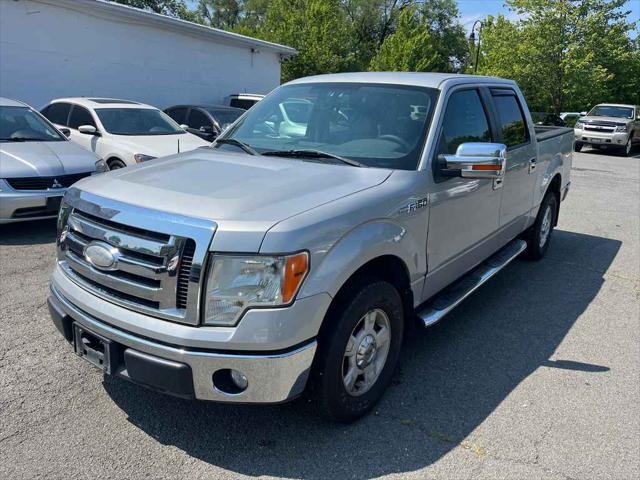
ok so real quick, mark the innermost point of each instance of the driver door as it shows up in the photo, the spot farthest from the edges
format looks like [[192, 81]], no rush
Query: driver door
[[464, 212]]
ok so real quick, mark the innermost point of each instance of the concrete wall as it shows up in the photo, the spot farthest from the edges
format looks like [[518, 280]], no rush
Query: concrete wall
[[49, 51]]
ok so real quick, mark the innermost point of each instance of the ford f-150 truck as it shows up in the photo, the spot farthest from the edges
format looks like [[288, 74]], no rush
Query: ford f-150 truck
[[272, 263]]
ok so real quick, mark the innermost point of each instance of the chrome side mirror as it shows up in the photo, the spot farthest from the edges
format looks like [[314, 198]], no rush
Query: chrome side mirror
[[476, 160]]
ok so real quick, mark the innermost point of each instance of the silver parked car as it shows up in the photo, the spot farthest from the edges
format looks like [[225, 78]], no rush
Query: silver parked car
[[609, 125], [37, 164]]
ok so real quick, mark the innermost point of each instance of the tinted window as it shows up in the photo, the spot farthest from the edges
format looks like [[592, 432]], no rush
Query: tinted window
[[21, 124], [376, 125], [464, 121], [57, 113], [80, 116], [244, 104], [514, 127], [197, 120], [177, 114], [226, 117]]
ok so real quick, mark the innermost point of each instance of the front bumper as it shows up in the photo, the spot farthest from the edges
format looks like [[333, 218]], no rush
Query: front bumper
[[19, 206], [188, 372], [589, 137]]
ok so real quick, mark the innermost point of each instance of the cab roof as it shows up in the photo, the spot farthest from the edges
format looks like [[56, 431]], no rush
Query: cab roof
[[419, 79]]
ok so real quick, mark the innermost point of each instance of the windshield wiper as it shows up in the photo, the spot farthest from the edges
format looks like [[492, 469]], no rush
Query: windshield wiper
[[237, 143], [313, 154]]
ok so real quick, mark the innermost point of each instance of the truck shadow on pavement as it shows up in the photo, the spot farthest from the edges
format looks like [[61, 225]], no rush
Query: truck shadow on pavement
[[451, 378], [28, 233]]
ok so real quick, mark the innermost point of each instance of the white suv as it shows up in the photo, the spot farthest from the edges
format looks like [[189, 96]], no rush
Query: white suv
[[121, 132]]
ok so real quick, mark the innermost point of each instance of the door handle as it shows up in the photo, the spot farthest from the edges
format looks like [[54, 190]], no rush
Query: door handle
[[532, 164]]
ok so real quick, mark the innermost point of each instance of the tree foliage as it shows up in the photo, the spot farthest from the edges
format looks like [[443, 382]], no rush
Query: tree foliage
[[565, 54]]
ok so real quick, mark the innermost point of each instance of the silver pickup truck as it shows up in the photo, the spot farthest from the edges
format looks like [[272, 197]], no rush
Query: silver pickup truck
[[272, 264]]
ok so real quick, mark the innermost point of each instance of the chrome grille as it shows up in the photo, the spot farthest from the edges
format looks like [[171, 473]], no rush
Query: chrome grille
[[153, 272]]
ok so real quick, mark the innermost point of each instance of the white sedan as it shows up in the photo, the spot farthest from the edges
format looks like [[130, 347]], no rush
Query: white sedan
[[122, 132]]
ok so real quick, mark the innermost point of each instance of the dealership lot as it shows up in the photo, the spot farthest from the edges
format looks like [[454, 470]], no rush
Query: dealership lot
[[536, 375]]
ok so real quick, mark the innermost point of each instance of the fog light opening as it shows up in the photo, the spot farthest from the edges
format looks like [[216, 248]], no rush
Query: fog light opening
[[230, 381]]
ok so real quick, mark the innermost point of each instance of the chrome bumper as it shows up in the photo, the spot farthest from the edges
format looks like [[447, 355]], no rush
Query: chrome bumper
[[272, 377], [590, 137]]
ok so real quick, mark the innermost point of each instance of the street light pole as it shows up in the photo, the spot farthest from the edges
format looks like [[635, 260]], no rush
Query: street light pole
[[472, 38]]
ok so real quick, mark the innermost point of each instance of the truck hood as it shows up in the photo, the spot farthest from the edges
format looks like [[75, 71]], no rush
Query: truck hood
[[233, 187], [46, 159], [598, 119], [160, 145]]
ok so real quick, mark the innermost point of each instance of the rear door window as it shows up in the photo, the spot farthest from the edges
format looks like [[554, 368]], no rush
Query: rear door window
[[57, 113], [511, 119], [80, 116]]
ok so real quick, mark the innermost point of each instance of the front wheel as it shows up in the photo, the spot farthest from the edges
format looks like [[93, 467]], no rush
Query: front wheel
[[578, 146], [626, 150], [116, 164], [539, 235], [357, 351]]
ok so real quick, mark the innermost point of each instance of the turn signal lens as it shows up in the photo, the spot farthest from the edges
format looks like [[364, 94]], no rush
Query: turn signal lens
[[295, 269], [486, 167]]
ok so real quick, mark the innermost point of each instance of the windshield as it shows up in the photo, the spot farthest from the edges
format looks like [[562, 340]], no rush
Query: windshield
[[375, 125], [21, 124], [225, 117], [137, 121], [611, 111]]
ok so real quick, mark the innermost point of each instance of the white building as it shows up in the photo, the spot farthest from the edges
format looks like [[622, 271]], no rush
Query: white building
[[60, 48]]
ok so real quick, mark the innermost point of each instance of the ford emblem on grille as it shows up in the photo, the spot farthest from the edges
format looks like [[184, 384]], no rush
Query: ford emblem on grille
[[101, 255]]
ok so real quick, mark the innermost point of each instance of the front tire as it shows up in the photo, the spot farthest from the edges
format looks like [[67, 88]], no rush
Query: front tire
[[357, 351], [539, 236], [626, 150], [115, 164], [578, 146]]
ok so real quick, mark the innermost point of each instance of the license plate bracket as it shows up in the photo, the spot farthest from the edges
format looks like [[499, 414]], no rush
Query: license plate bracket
[[94, 348]]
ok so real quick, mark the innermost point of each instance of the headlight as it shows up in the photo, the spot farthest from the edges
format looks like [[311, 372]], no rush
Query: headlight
[[579, 125], [101, 166], [237, 283], [140, 157], [622, 128]]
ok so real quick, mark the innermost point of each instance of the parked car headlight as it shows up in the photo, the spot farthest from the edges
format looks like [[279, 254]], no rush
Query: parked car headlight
[[101, 166], [141, 157], [622, 128], [579, 125], [237, 283]]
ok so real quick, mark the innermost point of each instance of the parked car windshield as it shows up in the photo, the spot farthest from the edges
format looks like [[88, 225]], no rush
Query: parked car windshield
[[225, 117], [21, 124], [611, 111], [137, 121], [375, 125]]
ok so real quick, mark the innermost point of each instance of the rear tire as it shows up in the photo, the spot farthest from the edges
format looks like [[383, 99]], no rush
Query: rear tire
[[357, 351], [578, 146], [115, 164], [539, 235]]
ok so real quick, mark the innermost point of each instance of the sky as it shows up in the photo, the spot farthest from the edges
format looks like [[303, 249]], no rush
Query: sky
[[472, 10]]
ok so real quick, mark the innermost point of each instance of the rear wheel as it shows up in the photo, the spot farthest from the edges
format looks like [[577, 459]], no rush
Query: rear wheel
[[578, 146], [115, 164], [357, 351], [539, 235]]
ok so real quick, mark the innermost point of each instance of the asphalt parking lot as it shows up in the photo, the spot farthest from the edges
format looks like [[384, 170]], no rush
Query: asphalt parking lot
[[536, 376]]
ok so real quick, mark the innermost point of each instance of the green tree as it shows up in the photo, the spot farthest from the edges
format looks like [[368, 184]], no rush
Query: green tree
[[411, 47], [318, 29], [565, 54], [172, 8]]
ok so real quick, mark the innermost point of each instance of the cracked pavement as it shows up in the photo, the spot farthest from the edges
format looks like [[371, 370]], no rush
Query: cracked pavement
[[537, 375]]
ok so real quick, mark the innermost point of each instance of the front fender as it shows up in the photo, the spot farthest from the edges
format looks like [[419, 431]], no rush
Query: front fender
[[357, 247]]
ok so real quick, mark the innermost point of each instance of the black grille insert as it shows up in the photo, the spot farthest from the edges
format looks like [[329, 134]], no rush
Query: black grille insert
[[184, 273], [44, 183]]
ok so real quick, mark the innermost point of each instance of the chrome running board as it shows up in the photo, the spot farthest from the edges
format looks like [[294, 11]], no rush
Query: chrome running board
[[452, 296]]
